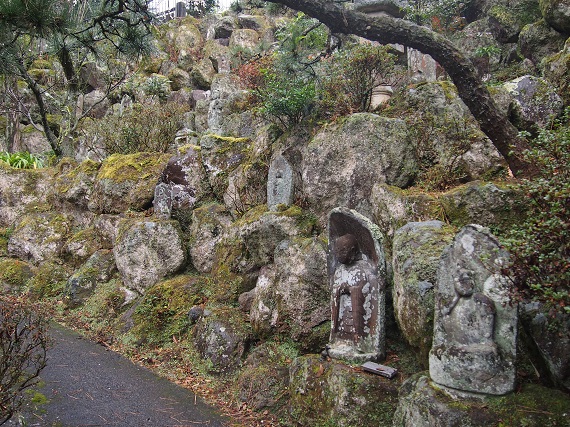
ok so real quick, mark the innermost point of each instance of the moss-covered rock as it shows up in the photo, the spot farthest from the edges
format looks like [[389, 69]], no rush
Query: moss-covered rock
[[127, 182], [333, 394], [557, 14], [222, 337], [488, 204], [40, 237], [163, 311], [416, 252], [507, 18], [74, 183], [557, 71], [48, 282], [422, 404], [82, 245], [14, 274], [264, 378], [99, 268], [345, 159], [539, 40], [147, 251]]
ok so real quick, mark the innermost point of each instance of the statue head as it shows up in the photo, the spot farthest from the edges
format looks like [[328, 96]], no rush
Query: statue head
[[346, 249], [464, 283]]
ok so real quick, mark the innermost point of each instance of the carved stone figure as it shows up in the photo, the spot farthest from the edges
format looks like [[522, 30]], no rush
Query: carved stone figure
[[357, 275], [475, 325], [280, 185]]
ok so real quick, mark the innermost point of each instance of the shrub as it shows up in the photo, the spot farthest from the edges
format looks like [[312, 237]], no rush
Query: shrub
[[540, 246], [23, 160], [23, 346], [143, 127], [350, 75]]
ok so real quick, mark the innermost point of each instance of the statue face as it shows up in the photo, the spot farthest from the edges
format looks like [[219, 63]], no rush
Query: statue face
[[464, 284], [346, 249]]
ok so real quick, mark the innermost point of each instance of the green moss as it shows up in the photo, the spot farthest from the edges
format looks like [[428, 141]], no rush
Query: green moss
[[132, 167], [14, 273], [252, 215], [163, 311], [48, 282]]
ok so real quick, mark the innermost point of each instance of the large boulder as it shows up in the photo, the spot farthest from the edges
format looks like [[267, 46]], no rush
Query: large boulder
[[449, 142], [293, 296], [508, 17], [209, 225], [39, 237], [557, 14], [485, 203], [416, 250], [14, 274], [22, 190], [345, 159], [534, 102], [550, 334], [82, 245], [539, 40], [332, 393], [422, 404], [94, 104], [222, 338], [127, 182], [146, 251], [181, 186], [557, 71], [183, 40], [244, 39], [73, 184]]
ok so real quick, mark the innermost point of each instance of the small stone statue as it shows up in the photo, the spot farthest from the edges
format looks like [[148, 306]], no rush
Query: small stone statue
[[356, 269], [475, 325]]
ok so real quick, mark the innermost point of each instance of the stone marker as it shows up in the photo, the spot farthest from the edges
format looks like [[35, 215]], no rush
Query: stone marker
[[357, 273], [475, 325], [280, 186]]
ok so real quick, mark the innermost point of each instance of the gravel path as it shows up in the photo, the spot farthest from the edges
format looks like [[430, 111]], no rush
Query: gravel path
[[87, 385]]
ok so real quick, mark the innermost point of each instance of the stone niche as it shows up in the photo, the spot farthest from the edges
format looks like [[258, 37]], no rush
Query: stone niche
[[475, 324], [357, 275]]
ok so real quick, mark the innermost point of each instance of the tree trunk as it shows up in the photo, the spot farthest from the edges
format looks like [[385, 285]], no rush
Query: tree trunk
[[13, 134], [387, 29], [36, 90]]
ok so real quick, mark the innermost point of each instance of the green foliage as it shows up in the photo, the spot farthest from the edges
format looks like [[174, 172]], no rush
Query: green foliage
[[350, 75], [540, 246], [157, 86], [22, 160], [441, 15], [198, 8], [143, 127]]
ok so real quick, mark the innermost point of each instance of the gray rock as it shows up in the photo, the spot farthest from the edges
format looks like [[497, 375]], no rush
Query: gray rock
[[280, 183], [475, 324], [209, 224], [39, 237], [344, 160], [185, 40], [224, 27], [91, 77], [416, 250], [98, 269], [221, 341], [535, 102], [20, 188], [94, 104], [507, 18], [181, 186], [82, 245], [557, 14], [292, 295], [148, 251], [485, 203], [538, 40], [557, 71], [127, 182], [179, 79], [244, 39], [551, 335], [225, 93]]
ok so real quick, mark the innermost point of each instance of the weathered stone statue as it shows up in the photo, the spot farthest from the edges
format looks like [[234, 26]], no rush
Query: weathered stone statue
[[357, 275], [280, 185], [475, 325]]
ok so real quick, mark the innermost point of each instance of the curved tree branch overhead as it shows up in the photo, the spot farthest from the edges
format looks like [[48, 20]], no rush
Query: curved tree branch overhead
[[387, 29]]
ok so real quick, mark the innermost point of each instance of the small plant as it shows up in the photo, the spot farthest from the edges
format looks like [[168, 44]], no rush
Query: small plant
[[143, 127], [157, 85], [23, 345], [350, 75], [22, 160], [540, 245]]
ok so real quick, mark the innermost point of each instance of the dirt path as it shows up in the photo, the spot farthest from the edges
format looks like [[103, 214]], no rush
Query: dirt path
[[88, 385]]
